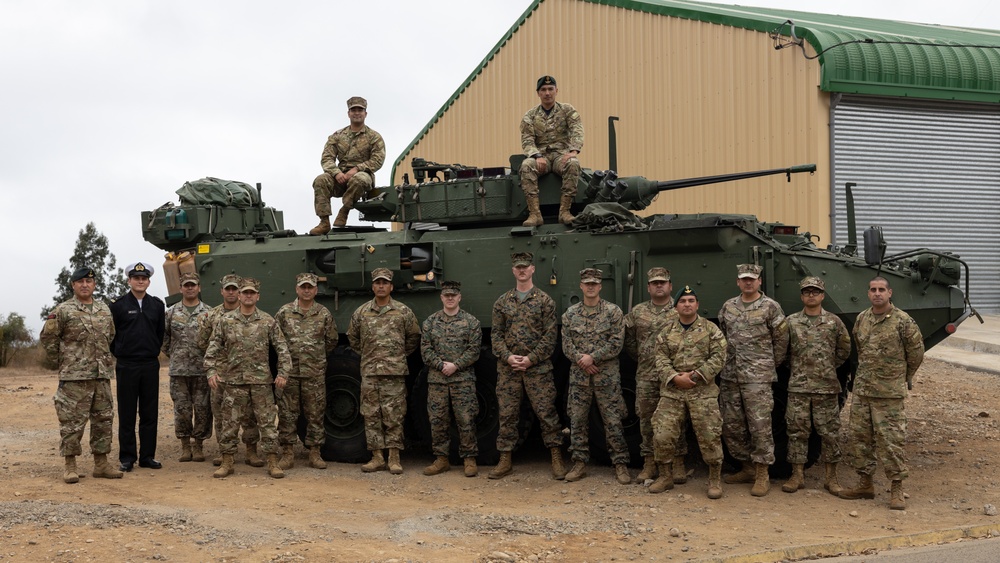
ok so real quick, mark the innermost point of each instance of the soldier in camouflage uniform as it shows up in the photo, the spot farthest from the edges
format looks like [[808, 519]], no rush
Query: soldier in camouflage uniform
[[238, 350], [251, 435], [819, 344], [449, 345], [351, 157], [551, 138], [642, 324], [311, 334], [77, 337], [688, 352], [890, 349], [593, 332], [524, 337], [384, 332], [188, 385], [755, 328]]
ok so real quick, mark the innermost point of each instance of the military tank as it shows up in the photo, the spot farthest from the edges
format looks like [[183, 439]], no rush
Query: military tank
[[462, 222]]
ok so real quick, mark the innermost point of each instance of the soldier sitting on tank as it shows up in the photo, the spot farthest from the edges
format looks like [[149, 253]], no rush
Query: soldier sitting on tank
[[351, 157], [551, 138]]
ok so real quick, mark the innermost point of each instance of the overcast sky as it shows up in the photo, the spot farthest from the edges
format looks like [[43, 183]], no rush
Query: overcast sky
[[108, 107]]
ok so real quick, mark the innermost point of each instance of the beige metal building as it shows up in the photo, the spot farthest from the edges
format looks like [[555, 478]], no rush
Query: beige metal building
[[909, 112]]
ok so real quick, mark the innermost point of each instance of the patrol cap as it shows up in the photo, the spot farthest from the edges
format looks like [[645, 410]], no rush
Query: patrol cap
[[658, 274], [381, 274], [139, 269], [451, 288], [80, 273], [545, 81], [748, 271], [231, 280], [250, 284], [685, 291], [812, 281], [190, 277], [522, 258], [306, 278], [357, 102], [591, 275]]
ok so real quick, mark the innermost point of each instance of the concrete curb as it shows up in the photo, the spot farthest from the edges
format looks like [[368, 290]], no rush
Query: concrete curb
[[860, 547]]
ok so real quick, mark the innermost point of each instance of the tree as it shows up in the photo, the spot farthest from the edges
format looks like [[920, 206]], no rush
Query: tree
[[92, 252], [14, 337]]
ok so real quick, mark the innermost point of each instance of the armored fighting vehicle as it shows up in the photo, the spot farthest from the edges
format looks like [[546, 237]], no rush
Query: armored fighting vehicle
[[462, 223]]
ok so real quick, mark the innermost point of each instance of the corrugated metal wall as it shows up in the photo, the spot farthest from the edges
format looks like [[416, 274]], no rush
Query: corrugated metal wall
[[694, 99], [928, 172]]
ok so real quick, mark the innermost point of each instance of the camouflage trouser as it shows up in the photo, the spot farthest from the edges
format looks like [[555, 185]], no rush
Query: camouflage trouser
[[383, 404], [325, 187], [459, 396], [569, 172], [305, 395], [611, 405], [192, 407], [76, 401], [746, 420], [806, 411], [251, 435], [876, 430], [236, 401], [647, 398], [541, 390], [669, 425]]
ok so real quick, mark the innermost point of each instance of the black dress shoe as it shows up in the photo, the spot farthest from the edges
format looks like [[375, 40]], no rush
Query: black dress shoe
[[126, 466], [150, 463]]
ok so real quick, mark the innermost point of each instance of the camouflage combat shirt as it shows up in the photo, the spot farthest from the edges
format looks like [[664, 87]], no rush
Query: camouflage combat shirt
[[238, 349], [525, 328], [456, 339], [642, 324], [346, 149], [559, 131], [180, 340], [78, 338], [384, 337], [311, 335], [819, 345], [700, 347], [206, 324], [598, 331], [758, 339], [890, 349]]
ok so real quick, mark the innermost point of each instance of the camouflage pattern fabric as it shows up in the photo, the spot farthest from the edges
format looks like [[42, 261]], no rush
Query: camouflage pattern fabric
[[806, 412], [890, 349], [384, 337], [305, 395], [206, 324], [876, 430], [325, 187], [180, 340], [551, 135], [242, 398], [607, 217], [456, 339], [78, 400], [525, 328], [443, 398], [383, 405], [642, 324], [311, 335], [192, 399], [819, 345], [344, 150], [251, 435], [77, 337], [746, 420]]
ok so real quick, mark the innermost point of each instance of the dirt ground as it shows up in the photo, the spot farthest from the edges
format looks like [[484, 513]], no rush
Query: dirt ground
[[180, 513]]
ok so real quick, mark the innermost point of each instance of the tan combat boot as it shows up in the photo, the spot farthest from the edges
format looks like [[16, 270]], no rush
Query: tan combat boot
[[665, 481], [680, 473], [287, 460], [622, 475], [503, 468], [471, 469], [745, 475], [796, 481], [395, 467], [558, 468], [341, 220], [197, 452], [578, 472], [865, 489], [70, 474], [253, 460], [762, 481], [897, 501], [565, 203], [439, 466], [714, 481], [103, 469], [272, 467], [186, 454], [831, 483], [322, 228], [225, 467], [217, 460], [649, 470], [377, 463], [316, 458], [534, 213]]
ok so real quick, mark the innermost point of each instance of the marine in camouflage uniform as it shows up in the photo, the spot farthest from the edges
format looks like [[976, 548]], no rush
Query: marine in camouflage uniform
[[755, 328], [524, 337], [642, 324], [688, 353], [551, 139], [77, 337], [593, 332], [351, 157], [311, 334], [890, 349], [384, 332], [450, 342], [239, 349], [230, 291], [820, 343], [188, 385]]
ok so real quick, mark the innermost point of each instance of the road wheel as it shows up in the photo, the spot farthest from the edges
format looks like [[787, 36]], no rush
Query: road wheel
[[342, 420]]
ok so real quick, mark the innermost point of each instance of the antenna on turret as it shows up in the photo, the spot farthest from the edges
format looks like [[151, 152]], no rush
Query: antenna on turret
[[612, 144]]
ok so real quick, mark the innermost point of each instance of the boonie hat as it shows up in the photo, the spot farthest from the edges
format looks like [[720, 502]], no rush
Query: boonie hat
[[231, 280], [522, 258], [382, 274], [139, 269], [658, 274], [451, 288], [812, 281], [591, 275], [80, 273], [306, 278], [357, 102], [748, 271]]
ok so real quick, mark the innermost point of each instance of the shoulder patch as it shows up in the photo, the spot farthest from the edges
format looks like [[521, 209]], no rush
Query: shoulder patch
[[51, 316]]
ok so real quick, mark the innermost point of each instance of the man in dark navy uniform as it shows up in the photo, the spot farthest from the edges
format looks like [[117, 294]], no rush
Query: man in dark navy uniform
[[139, 327]]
